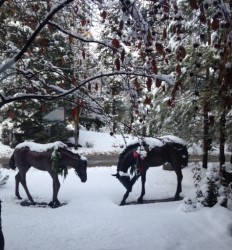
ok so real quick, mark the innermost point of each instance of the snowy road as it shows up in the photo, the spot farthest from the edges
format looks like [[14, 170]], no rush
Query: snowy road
[[109, 160]]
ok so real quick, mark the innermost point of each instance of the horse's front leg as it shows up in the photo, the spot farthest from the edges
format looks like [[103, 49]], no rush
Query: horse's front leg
[[56, 186], [125, 196], [179, 180], [143, 180], [17, 180], [129, 189]]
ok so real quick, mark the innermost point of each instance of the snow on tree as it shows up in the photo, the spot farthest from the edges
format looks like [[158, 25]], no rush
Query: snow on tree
[[161, 52]]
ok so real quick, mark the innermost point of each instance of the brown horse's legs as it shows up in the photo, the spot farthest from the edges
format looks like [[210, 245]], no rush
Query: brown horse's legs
[[56, 186], [17, 180], [24, 183], [143, 180]]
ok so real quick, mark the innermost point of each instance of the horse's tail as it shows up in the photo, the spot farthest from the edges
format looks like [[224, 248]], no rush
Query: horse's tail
[[185, 156], [12, 162]]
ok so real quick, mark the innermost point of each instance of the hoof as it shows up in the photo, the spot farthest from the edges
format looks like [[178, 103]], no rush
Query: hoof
[[54, 204], [176, 198], [122, 203], [140, 200]]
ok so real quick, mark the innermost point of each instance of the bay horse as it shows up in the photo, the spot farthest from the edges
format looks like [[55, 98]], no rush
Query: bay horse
[[52, 157], [151, 152]]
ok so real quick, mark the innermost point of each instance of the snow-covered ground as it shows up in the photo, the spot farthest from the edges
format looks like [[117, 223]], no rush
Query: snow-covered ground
[[93, 219]]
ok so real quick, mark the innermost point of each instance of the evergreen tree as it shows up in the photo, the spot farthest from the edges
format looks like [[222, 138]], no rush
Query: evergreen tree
[[160, 52]]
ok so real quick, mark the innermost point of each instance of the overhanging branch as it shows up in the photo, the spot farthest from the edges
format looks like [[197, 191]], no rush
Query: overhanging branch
[[6, 100], [10, 62], [2, 2], [81, 38]]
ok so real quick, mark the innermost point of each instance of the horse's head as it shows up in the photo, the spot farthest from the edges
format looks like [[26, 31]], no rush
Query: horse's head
[[127, 159], [81, 168]]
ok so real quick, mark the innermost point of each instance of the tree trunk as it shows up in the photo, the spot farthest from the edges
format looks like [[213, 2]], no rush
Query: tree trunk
[[114, 109], [129, 128], [76, 134], [114, 114], [205, 137], [77, 125], [222, 139]]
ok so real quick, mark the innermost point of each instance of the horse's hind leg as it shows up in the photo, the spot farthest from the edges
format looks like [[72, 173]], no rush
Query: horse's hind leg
[[17, 180], [143, 180], [179, 180], [24, 184]]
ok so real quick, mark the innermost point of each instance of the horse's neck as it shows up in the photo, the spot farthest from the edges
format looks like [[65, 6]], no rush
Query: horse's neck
[[127, 161], [69, 159]]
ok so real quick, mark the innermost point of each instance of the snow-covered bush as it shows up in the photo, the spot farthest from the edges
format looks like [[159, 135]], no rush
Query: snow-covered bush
[[3, 178], [89, 144], [209, 189]]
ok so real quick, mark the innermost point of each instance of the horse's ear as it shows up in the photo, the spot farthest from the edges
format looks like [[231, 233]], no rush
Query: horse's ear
[[116, 175]]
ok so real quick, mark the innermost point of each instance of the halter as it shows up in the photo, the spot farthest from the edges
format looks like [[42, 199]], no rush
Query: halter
[[139, 163]]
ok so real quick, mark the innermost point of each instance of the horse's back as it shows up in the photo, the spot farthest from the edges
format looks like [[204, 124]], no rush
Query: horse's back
[[171, 151], [20, 156], [24, 157]]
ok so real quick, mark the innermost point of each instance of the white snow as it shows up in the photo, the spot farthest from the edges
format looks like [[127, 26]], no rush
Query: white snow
[[123, 174], [37, 147], [153, 142], [93, 219], [172, 138]]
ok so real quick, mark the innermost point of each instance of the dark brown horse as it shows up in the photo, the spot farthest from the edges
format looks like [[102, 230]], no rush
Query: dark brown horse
[[150, 152], [55, 160]]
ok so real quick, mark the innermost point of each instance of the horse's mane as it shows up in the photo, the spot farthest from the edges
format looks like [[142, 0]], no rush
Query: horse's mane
[[124, 153], [68, 151]]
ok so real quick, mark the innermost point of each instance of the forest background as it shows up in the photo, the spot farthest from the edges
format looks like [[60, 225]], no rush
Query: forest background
[[139, 67]]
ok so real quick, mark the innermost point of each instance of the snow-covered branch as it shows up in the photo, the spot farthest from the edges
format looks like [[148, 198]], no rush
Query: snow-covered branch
[[90, 79], [63, 93], [141, 25], [10, 62], [80, 38], [2, 2]]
